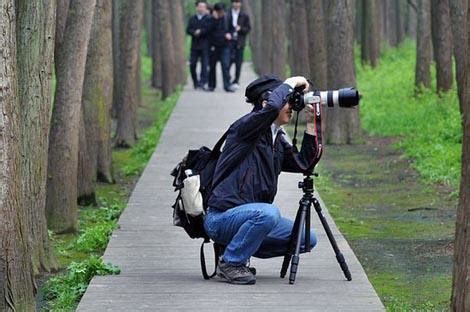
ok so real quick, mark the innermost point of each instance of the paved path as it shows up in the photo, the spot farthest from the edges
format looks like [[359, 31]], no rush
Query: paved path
[[160, 264]]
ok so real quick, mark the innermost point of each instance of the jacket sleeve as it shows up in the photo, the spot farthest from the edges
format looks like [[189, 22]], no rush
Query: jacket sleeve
[[245, 27], [254, 124], [191, 27], [303, 160]]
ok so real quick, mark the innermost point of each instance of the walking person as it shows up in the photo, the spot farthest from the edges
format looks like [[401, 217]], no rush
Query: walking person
[[198, 29], [219, 51], [239, 23]]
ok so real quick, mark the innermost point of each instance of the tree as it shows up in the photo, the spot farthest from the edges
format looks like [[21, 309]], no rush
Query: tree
[[460, 16], [370, 42], [156, 51], [442, 43], [117, 4], [423, 46], [95, 126], [16, 278], [273, 39], [178, 34], [70, 59], [298, 42], [129, 45], [35, 49], [342, 125], [166, 46], [253, 9]]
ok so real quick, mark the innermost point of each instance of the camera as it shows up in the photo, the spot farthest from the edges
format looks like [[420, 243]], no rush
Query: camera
[[347, 97]]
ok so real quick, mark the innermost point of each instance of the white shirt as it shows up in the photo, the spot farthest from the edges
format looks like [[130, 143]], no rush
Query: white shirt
[[275, 130], [199, 16], [235, 17]]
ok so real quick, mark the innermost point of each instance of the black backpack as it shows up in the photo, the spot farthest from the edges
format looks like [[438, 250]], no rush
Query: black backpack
[[201, 162]]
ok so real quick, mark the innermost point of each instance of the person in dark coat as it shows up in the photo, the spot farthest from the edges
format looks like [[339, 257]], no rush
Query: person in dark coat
[[239, 23], [198, 29], [219, 51], [241, 214]]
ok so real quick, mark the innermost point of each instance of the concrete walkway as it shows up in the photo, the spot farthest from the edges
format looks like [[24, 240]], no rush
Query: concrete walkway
[[160, 263]]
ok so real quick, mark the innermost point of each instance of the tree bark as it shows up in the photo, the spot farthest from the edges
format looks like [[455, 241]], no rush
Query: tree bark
[[156, 51], [298, 42], [423, 46], [442, 43], [342, 125], [35, 39], [16, 278], [61, 203], [370, 43], [253, 9], [96, 106], [178, 34], [116, 17], [460, 16], [166, 46], [317, 46], [129, 40], [274, 55]]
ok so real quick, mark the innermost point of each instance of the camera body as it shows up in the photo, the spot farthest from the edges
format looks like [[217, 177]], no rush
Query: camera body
[[347, 97]]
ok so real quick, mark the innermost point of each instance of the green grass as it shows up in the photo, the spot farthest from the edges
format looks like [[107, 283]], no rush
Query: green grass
[[428, 125]]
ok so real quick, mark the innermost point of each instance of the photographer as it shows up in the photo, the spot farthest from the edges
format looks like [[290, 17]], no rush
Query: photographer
[[241, 214]]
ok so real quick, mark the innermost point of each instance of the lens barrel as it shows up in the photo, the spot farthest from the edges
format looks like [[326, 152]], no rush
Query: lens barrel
[[347, 97]]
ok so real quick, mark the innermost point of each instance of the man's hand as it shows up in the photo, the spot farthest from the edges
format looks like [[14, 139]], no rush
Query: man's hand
[[297, 81], [310, 115], [197, 32], [238, 28], [228, 36]]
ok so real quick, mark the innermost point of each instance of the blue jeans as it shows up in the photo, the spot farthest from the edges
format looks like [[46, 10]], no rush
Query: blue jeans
[[222, 55], [255, 229]]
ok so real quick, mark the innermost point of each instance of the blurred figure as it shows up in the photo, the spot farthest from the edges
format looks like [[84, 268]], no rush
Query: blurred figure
[[198, 29], [239, 24], [219, 38]]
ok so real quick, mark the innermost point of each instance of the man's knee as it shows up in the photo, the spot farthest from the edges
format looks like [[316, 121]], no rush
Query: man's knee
[[269, 215]]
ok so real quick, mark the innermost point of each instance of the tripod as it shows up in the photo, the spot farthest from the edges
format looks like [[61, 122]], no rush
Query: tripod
[[302, 222]]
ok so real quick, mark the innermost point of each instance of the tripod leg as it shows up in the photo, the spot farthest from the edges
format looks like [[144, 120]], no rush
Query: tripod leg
[[293, 240], [295, 256], [339, 255]]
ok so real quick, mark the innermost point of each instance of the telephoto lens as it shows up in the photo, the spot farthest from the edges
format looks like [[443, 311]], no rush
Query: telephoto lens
[[347, 97]]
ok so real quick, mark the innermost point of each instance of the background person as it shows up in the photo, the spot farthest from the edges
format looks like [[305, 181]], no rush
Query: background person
[[198, 29], [241, 214], [239, 23]]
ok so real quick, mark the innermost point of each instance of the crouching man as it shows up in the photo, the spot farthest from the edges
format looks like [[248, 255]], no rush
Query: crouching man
[[241, 214]]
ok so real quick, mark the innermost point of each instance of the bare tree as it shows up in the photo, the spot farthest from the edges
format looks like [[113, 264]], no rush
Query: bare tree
[[129, 39], [317, 46], [273, 38], [35, 55], [16, 278], [253, 9], [178, 34], [460, 16], [423, 46], [342, 125], [370, 41], [95, 126], [298, 42], [166, 46], [442, 43], [156, 51], [61, 203]]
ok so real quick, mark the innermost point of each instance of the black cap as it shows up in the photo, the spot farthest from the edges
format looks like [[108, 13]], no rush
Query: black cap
[[264, 83]]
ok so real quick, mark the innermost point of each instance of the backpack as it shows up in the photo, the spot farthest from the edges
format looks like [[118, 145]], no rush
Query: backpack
[[193, 178]]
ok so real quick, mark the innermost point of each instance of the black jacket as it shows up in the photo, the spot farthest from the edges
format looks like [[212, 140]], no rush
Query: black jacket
[[202, 41], [244, 22], [218, 28], [249, 166]]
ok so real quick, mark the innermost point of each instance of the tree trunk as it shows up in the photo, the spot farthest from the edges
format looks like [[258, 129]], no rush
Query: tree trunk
[[442, 43], [148, 25], [156, 51], [166, 47], [129, 39], [35, 39], [317, 45], [97, 100], [117, 4], [16, 278], [370, 43], [273, 38], [423, 46], [178, 34], [253, 9], [61, 204], [298, 42], [460, 16], [410, 19], [342, 125]]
